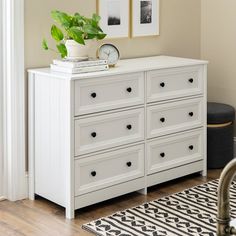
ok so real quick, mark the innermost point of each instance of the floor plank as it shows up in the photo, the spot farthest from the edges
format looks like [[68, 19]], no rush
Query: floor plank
[[44, 218]]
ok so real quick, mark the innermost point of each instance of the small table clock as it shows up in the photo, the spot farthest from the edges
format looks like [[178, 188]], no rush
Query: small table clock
[[110, 53]]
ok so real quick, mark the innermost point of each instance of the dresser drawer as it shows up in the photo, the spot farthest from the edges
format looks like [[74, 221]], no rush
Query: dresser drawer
[[110, 130], [174, 151], [104, 170], [174, 117], [105, 93], [174, 83]]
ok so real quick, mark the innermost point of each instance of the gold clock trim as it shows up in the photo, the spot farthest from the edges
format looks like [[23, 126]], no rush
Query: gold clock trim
[[109, 44]]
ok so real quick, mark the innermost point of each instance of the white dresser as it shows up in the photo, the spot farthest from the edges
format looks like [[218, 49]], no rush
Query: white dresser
[[99, 135]]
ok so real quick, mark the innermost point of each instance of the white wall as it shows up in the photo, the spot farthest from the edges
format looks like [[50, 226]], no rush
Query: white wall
[[180, 31], [219, 47]]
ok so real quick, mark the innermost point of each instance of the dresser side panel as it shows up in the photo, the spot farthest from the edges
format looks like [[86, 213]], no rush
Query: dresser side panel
[[52, 138]]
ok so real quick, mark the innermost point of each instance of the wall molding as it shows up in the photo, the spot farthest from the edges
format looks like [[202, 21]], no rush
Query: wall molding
[[15, 180]]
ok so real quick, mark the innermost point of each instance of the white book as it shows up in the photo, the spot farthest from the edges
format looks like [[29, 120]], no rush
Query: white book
[[79, 64], [79, 70]]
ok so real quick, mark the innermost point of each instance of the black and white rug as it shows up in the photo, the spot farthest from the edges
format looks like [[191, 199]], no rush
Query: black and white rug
[[191, 212]]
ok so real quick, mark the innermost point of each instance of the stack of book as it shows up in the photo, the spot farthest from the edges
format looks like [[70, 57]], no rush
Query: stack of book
[[79, 67]]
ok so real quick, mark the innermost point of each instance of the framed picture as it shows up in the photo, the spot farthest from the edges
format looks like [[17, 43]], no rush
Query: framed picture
[[145, 18], [115, 17]]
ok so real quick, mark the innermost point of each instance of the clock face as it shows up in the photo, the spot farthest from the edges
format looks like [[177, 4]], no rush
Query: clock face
[[110, 53]]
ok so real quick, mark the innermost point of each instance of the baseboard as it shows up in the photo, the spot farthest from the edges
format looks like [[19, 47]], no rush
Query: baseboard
[[2, 199]]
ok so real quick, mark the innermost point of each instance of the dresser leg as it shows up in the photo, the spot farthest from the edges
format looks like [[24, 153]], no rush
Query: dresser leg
[[70, 214], [143, 191], [204, 173]]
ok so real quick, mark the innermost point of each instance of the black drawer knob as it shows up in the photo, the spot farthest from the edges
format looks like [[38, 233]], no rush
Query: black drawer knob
[[129, 127], [93, 134], [190, 114], [162, 119], [162, 84], [93, 95], [162, 154], [191, 147], [129, 164], [93, 173], [190, 80], [129, 90]]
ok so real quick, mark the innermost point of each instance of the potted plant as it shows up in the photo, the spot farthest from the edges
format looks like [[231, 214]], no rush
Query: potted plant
[[73, 38]]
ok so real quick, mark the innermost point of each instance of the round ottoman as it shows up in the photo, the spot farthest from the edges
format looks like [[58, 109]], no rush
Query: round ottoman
[[220, 133]]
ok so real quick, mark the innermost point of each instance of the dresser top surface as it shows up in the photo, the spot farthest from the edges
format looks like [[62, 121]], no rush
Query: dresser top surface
[[127, 66]]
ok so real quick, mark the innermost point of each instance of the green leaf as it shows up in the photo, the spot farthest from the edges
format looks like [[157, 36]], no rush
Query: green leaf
[[101, 36], [62, 50], [89, 29], [56, 33], [62, 18], [96, 17], [76, 34], [80, 20], [78, 16], [91, 36], [95, 21], [45, 44]]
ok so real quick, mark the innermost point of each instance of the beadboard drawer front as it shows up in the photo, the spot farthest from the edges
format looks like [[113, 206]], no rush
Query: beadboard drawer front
[[174, 83], [174, 117], [104, 170], [174, 151], [110, 130], [105, 93]]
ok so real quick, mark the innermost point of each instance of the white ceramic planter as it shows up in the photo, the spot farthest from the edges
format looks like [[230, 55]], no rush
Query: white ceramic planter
[[76, 50]]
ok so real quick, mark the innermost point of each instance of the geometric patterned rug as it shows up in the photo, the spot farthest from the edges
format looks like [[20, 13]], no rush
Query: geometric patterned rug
[[191, 212]]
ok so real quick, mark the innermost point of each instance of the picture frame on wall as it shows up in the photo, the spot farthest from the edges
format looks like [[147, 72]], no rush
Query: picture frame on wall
[[115, 17], [145, 18]]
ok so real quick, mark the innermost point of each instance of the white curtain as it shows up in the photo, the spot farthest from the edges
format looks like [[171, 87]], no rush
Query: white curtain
[[1, 104], [12, 59], [1, 138]]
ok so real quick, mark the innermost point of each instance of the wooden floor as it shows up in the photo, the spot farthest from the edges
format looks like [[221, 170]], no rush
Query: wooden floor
[[43, 218]]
